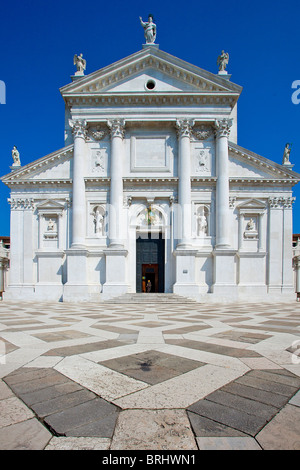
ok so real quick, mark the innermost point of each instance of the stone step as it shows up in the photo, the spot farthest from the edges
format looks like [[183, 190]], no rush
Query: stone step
[[150, 298]]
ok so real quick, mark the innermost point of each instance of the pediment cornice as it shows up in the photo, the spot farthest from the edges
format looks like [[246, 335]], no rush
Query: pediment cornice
[[23, 174], [278, 173], [200, 80]]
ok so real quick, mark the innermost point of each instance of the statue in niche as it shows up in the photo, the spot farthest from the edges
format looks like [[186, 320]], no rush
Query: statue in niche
[[250, 225], [286, 154], [98, 221], [222, 61], [16, 156], [149, 30], [50, 226], [202, 225], [80, 63]]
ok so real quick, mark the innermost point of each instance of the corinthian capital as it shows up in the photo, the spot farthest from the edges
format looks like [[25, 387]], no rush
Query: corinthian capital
[[79, 128], [222, 127], [117, 127], [184, 127]]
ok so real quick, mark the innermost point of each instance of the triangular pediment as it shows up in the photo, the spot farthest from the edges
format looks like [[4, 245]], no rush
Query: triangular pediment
[[251, 204], [50, 204], [53, 167], [130, 75], [246, 164]]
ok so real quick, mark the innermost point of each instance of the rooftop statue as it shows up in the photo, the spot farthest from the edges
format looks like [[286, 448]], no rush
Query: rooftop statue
[[80, 63], [222, 61], [286, 154], [149, 29], [16, 156]]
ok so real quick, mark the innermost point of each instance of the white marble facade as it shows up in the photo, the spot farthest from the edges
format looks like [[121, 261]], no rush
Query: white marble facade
[[151, 151]]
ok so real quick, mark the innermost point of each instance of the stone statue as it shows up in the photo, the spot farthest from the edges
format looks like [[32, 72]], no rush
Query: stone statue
[[98, 222], [149, 30], [202, 224], [222, 61], [80, 63], [50, 227], [250, 225], [286, 154], [16, 156]]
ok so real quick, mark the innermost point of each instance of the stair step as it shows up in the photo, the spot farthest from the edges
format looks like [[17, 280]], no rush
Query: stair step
[[150, 298]]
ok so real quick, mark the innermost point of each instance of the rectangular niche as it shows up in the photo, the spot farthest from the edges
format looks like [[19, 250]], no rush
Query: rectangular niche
[[149, 154]]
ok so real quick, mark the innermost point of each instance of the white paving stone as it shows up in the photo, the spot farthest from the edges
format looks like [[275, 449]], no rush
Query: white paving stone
[[103, 381]]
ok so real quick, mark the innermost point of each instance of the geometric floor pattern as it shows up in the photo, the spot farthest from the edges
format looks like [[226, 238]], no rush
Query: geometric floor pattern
[[138, 376]]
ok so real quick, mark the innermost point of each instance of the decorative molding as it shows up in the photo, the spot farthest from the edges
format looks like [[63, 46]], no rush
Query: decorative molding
[[21, 203], [96, 134], [153, 99], [202, 132], [281, 202]]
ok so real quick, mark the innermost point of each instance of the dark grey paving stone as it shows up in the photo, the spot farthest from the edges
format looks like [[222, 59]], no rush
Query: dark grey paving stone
[[38, 384], [80, 415], [62, 402], [213, 348], [279, 378], [50, 393], [205, 427], [267, 385], [84, 348], [102, 428], [231, 417], [152, 367], [28, 374], [243, 404], [262, 396]]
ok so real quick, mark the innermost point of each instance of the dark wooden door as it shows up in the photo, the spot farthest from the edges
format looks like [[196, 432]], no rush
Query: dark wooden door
[[150, 251]]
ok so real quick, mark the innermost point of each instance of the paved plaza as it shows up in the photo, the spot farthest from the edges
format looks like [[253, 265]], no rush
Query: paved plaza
[[166, 374]]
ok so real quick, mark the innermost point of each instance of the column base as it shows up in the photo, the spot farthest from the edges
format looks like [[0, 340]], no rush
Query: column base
[[116, 279]]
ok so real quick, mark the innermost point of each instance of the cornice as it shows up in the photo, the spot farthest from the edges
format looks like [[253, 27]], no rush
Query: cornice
[[152, 99]]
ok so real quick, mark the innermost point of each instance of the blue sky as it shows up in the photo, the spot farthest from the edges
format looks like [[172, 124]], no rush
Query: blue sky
[[39, 39]]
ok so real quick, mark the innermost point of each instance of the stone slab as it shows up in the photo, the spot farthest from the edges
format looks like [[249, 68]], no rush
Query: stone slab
[[227, 443], [283, 432], [27, 435], [78, 443], [153, 430], [13, 410], [86, 414]]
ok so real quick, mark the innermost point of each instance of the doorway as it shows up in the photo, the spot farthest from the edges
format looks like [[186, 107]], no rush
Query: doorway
[[150, 278], [150, 263]]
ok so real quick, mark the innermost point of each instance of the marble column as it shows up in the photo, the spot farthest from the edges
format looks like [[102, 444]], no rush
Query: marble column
[[116, 255], [184, 129], [116, 182], [79, 130], [222, 128]]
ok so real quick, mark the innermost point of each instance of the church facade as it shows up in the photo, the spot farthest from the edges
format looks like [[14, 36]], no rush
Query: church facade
[[151, 193]]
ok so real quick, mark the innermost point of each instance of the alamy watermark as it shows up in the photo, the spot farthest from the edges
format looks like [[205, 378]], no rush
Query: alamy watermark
[[296, 94], [2, 92], [296, 352]]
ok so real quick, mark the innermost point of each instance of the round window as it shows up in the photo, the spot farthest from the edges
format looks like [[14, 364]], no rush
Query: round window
[[150, 85]]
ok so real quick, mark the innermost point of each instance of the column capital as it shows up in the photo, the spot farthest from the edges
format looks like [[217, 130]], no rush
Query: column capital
[[184, 127], [117, 127], [222, 127], [79, 128]]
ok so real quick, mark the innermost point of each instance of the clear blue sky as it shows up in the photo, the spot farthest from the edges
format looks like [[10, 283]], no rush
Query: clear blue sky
[[39, 39]]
